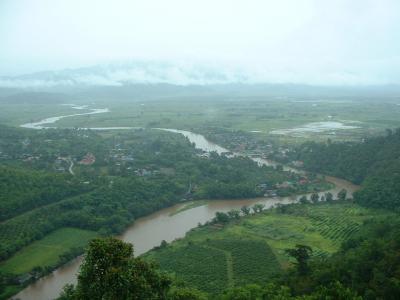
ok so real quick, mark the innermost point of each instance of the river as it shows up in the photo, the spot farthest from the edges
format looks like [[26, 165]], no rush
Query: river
[[149, 231]]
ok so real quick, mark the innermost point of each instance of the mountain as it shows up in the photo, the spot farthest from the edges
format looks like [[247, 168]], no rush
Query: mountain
[[131, 73]]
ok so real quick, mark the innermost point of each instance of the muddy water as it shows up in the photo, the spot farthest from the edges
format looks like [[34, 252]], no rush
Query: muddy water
[[149, 231]]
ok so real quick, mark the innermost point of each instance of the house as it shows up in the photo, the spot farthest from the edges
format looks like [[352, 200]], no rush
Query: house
[[204, 155], [303, 181], [87, 160], [262, 186], [283, 185], [270, 193], [143, 172], [298, 163]]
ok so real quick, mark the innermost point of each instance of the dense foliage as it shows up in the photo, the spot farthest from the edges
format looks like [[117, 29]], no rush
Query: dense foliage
[[369, 265], [108, 209], [103, 181], [375, 163], [109, 271], [23, 190]]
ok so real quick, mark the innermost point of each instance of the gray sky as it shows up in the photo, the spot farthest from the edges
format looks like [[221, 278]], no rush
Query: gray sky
[[310, 41]]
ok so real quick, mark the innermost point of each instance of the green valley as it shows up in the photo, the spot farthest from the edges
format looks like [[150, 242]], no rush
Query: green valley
[[252, 249]]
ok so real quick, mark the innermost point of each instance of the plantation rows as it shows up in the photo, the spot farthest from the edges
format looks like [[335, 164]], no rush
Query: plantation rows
[[320, 253], [335, 228], [23, 190], [205, 268], [205, 265], [23, 229], [253, 260], [107, 210]]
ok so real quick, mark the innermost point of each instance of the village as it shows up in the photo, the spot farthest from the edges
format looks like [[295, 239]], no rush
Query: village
[[119, 157]]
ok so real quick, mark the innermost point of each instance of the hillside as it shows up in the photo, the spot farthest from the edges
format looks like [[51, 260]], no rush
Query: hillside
[[251, 250], [374, 163]]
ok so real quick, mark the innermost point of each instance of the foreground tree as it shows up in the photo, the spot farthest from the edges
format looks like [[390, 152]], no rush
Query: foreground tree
[[302, 254], [109, 271]]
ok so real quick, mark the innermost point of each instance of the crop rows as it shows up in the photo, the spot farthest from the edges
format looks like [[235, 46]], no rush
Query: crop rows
[[320, 253], [253, 260], [203, 267], [335, 228]]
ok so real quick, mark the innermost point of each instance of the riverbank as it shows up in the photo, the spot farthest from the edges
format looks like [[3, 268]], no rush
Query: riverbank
[[148, 232], [251, 249]]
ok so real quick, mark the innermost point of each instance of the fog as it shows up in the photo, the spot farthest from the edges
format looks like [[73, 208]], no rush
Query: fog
[[337, 42]]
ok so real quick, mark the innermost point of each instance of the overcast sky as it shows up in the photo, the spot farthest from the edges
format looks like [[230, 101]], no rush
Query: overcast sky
[[325, 41]]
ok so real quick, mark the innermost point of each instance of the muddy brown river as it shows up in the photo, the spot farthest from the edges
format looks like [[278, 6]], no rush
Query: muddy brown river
[[149, 231]]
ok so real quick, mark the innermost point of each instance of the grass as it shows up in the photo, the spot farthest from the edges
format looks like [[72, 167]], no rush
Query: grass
[[254, 247], [46, 252]]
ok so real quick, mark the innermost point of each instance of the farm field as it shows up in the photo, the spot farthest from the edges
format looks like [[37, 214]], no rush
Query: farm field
[[253, 115], [252, 250], [263, 116], [46, 252]]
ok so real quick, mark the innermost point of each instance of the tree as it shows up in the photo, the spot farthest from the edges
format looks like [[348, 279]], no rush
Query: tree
[[67, 293], [245, 210], [163, 244], [342, 195], [314, 197], [221, 217], [302, 254], [328, 197], [303, 199], [234, 214], [109, 271], [258, 207]]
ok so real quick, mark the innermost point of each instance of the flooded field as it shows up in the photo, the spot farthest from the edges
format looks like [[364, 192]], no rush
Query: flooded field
[[315, 127]]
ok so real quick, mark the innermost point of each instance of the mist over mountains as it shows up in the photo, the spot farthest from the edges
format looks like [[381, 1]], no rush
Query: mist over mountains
[[158, 72], [132, 73]]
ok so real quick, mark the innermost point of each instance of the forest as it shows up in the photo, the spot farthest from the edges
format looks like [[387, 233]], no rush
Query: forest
[[48, 184], [139, 172], [374, 163], [347, 249]]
